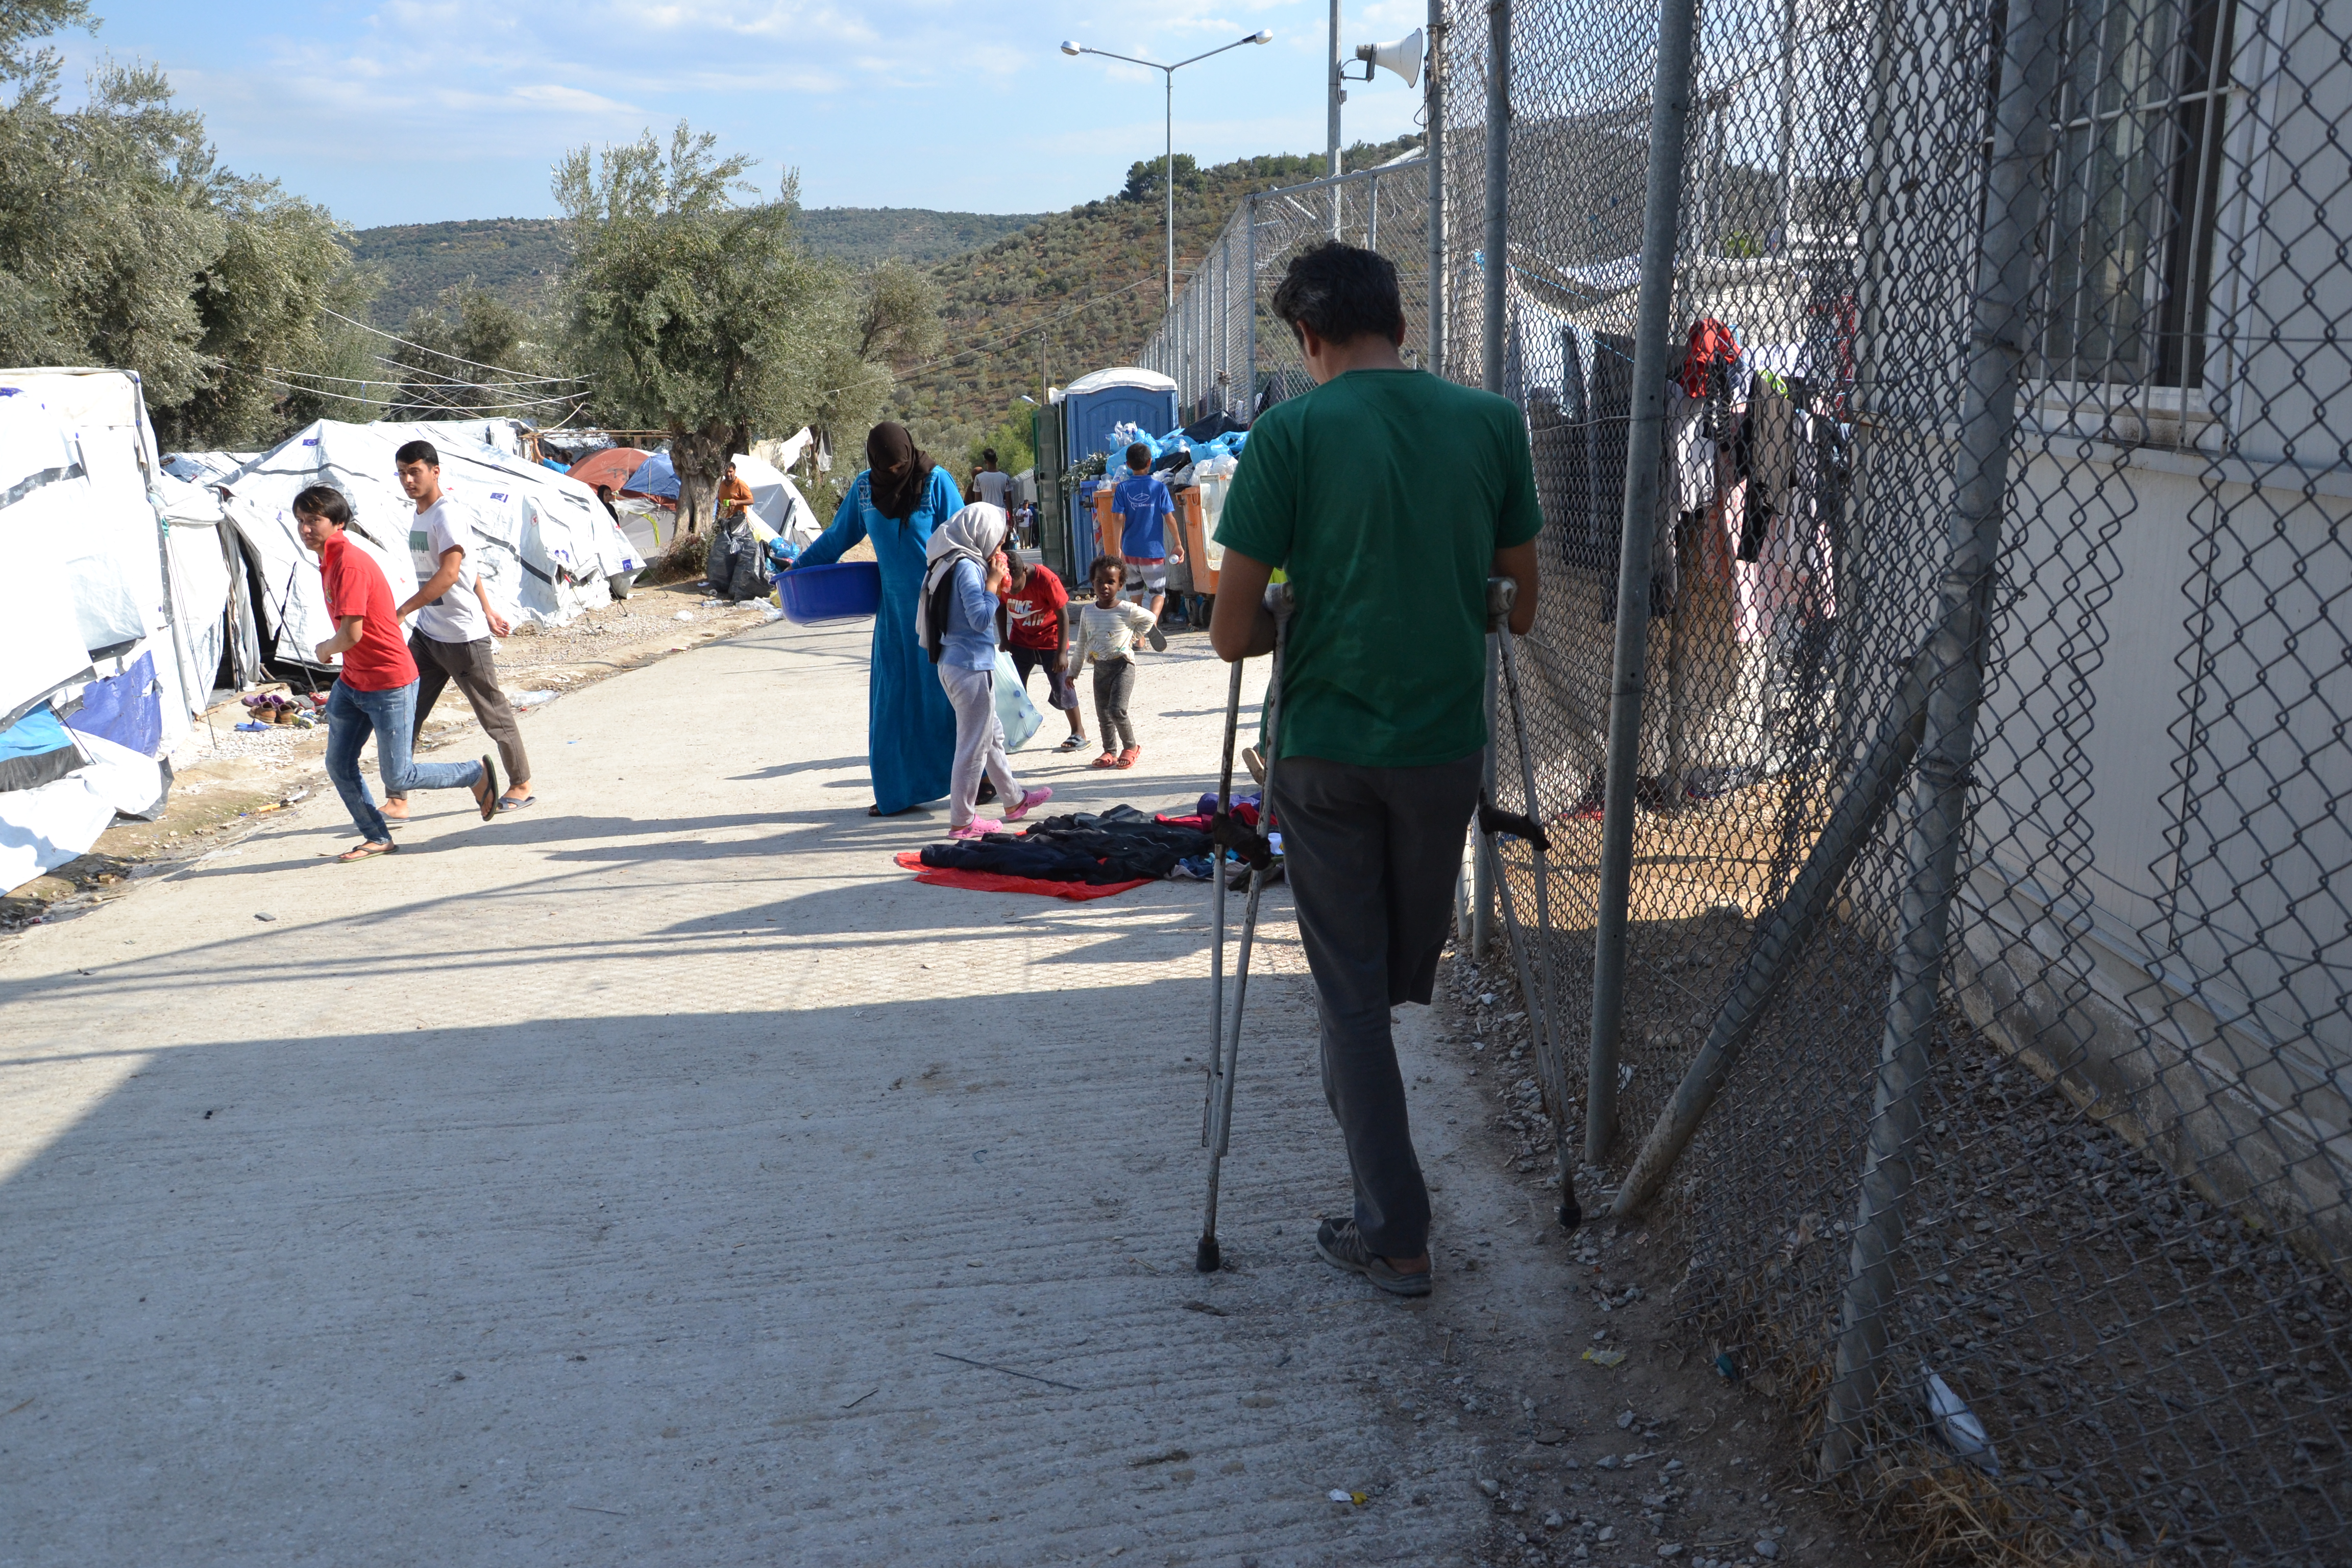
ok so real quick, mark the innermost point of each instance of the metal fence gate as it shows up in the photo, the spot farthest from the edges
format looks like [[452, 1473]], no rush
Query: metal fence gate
[[1938, 705]]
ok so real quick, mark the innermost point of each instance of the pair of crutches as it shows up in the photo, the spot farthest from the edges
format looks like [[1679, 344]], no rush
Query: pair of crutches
[[1217, 1115], [1502, 593], [1257, 851]]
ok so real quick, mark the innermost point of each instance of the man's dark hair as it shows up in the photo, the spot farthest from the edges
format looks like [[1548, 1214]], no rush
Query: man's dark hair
[[988, 455], [417, 452], [1342, 292], [1138, 457], [324, 501], [1107, 564]]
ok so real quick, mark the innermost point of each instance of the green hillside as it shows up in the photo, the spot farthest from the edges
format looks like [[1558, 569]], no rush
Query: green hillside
[[1086, 281], [519, 259]]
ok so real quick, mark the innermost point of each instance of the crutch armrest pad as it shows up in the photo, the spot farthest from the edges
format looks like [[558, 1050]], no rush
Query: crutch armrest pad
[[1492, 819]]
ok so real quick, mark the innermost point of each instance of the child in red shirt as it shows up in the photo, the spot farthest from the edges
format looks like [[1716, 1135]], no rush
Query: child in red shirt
[[1038, 608]]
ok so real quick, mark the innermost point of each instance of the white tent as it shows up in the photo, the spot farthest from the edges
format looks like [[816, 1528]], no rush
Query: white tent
[[548, 547], [777, 501], [110, 566]]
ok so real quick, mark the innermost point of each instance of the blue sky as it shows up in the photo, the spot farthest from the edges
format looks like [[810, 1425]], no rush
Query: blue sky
[[414, 110]]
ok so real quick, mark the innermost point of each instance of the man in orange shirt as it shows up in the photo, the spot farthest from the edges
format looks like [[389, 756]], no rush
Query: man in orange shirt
[[375, 692]]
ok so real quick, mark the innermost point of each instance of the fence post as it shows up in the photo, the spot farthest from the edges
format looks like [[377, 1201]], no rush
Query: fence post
[[2005, 280], [1490, 333], [1249, 309], [1434, 97], [1645, 444]]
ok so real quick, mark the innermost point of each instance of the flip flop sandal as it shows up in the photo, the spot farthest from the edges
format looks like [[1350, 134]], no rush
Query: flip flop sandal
[[1074, 743], [368, 852], [507, 802], [486, 795]]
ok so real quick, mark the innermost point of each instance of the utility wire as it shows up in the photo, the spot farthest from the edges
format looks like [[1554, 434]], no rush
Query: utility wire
[[443, 353], [576, 397]]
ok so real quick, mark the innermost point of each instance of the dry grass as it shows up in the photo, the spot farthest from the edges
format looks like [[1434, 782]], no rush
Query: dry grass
[[1945, 1512]]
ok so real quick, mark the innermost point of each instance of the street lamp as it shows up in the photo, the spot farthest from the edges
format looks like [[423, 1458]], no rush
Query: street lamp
[[1168, 169]]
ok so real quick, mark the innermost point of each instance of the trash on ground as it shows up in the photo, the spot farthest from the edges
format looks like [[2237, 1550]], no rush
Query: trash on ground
[[1604, 1358], [531, 699], [686, 615], [1962, 1432], [1358, 1499]]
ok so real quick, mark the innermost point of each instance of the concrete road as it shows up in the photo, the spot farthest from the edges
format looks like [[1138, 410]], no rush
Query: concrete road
[[662, 1176]]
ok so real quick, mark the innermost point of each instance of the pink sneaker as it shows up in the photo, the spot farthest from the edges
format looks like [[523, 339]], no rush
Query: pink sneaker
[[1037, 796], [978, 827]]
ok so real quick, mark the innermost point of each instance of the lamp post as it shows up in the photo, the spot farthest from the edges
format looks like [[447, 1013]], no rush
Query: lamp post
[[1168, 168]]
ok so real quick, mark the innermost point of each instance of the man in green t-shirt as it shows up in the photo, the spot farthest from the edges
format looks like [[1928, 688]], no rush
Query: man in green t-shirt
[[1389, 496]]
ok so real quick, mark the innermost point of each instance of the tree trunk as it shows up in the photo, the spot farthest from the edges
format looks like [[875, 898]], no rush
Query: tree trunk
[[700, 458]]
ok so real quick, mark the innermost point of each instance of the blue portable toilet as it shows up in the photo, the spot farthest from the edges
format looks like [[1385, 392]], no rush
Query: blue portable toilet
[[1091, 407]]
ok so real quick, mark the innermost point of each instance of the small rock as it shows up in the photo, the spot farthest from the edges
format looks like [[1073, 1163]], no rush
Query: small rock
[[1552, 1519], [1624, 1420], [262, 917], [1670, 1550], [1492, 1488], [1768, 1549], [1608, 1532]]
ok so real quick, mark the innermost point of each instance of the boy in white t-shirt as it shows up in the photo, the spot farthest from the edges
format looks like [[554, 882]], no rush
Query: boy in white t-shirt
[[454, 624]]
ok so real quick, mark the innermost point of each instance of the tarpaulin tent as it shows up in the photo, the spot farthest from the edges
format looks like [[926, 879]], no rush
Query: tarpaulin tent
[[111, 566], [612, 467], [548, 545], [655, 476]]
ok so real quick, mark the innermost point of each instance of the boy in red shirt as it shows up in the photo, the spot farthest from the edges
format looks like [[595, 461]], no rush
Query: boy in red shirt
[[376, 690], [1039, 609]]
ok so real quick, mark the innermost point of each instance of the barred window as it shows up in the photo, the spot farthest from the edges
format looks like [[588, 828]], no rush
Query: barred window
[[2141, 113]]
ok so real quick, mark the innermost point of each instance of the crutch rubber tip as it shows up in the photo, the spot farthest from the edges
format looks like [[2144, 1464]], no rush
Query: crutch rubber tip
[[1572, 1214], [1205, 1258]]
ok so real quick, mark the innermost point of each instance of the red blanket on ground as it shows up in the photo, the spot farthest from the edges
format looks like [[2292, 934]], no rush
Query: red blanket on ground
[[991, 882]]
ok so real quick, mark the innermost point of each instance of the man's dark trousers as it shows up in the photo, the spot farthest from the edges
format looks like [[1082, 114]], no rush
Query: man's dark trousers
[[1371, 855], [471, 666]]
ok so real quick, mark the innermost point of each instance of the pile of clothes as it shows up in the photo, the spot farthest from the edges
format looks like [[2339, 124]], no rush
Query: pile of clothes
[[1121, 845]]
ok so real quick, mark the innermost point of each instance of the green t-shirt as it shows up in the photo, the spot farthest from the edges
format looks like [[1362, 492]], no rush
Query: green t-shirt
[[1384, 494]]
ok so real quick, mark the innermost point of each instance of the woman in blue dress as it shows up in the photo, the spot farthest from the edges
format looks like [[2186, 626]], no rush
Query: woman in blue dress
[[910, 730]]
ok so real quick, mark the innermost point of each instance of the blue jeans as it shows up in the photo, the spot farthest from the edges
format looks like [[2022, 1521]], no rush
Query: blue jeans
[[391, 716]]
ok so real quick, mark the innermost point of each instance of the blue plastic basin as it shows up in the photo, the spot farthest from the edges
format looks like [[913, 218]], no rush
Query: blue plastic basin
[[841, 592]]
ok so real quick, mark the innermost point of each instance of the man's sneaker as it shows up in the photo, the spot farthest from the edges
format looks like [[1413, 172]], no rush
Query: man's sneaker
[[1342, 1248], [1037, 796], [978, 827]]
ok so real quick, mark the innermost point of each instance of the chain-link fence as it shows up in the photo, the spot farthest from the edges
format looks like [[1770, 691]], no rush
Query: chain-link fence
[[1222, 344], [1944, 939]]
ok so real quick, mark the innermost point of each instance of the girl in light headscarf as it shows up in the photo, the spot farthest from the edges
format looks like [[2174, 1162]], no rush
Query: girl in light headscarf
[[955, 619]]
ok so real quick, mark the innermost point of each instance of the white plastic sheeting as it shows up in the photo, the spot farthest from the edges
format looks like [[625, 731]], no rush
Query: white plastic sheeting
[[777, 501], [547, 545], [109, 559], [85, 543]]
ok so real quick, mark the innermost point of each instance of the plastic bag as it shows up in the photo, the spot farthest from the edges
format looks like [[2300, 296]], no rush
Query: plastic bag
[[1014, 710]]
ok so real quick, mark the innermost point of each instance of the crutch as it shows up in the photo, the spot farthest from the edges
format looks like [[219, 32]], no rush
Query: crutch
[[1502, 593], [1258, 853]]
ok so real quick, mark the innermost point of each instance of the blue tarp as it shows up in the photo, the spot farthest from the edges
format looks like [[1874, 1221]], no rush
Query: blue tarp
[[655, 476], [126, 709], [35, 733]]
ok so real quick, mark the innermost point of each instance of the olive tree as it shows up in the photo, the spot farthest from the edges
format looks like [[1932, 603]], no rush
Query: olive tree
[[123, 243], [695, 311]]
